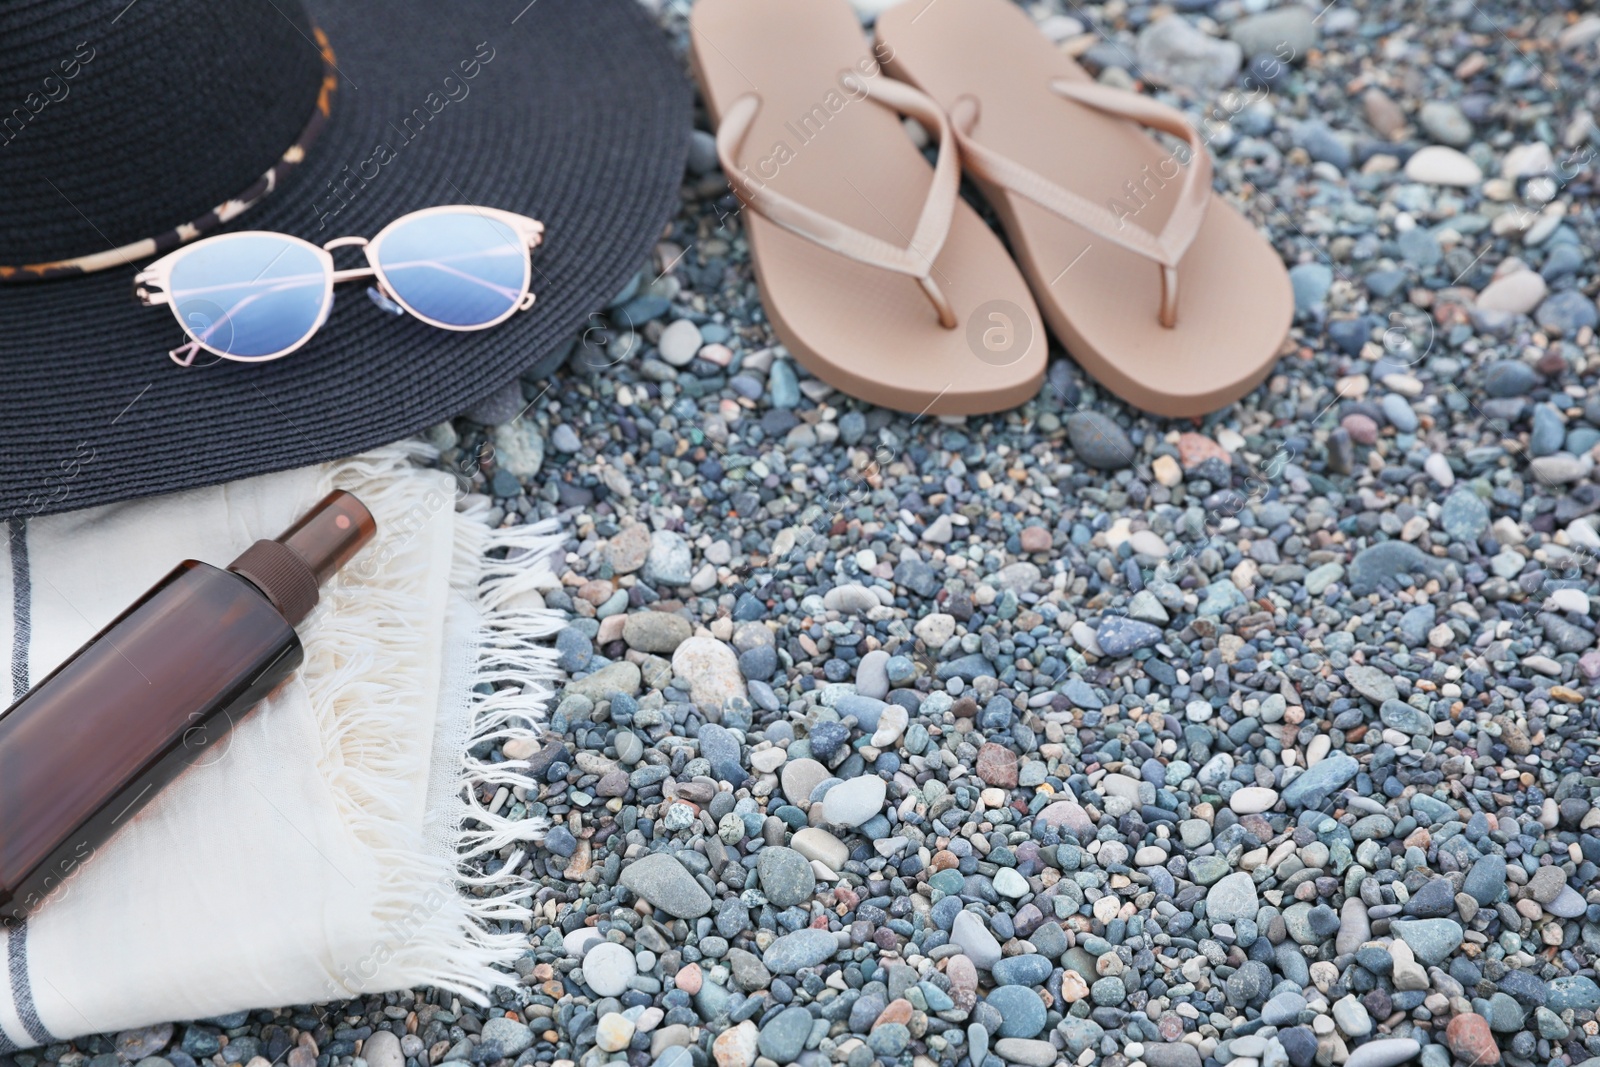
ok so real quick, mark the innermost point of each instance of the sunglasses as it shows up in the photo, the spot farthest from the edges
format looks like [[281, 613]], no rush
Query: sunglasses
[[255, 296]]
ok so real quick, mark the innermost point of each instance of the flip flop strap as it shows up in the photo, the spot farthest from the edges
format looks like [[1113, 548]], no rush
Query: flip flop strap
[[1167, 247], [917, 257]]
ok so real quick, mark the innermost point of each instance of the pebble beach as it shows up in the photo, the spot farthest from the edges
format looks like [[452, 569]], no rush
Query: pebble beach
[[1074, 735]]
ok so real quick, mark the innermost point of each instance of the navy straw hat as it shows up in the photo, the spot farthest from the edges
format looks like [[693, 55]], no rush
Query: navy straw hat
[[127, 128]]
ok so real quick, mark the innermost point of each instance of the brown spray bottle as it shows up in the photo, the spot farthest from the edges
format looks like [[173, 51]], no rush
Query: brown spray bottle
[[152, 693]]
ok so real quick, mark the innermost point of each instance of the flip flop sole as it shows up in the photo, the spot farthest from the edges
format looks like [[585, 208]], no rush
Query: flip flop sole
[[868, 332], [1235, 304]]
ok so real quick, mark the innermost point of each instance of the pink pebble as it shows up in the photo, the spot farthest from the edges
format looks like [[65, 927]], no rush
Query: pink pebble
[[1361, 428]]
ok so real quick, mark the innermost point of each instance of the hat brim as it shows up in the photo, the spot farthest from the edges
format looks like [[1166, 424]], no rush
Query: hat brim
[[581, 119]]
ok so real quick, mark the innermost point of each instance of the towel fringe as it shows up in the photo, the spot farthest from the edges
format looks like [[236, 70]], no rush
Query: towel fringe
[[445, 915]]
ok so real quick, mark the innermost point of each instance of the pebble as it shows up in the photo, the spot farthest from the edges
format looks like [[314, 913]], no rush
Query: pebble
[[1312, 787], [614, 1032], [1371, 683], [1118, 636], [1486, 880], [1008, 883], [628, 549], [1431, 940], [1029, 970], [1518, 293], [518, 449], [1442, 165], [1350, 1015], [783, 1037], [668, 560], [1171, 51], [1509, 378], [1546, 884], [1288, 32], [872, 677], [1549, 431], [145, 1041], [1470, 1038], [736, 1046], [1311, 282], [665, 883], [786, 876], [1399, 413], [1574, 992], [1386, 561], [655, 631], [1026, 1052], [1444, 122], [1438, 468], [1022, 1012], [800, 778], [382, 1049], [975, 940], [1384, 1052], [1099, 441], [935, 630], [679, 342], [1232, 899], [1175, 1054], [712, 669], [822, 847], [1465, 517], [1253, 799], [853, 802], [799, 950], [1567, 313], [608, 968], [722, 749]]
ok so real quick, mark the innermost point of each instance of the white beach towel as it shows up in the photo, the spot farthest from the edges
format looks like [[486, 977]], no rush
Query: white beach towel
[[318, 850]]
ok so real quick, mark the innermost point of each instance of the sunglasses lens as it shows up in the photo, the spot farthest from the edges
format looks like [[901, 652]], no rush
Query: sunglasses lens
[[249, 296], [460, 269]]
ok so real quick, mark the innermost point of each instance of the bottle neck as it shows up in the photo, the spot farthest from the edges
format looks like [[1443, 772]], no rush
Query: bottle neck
[[289, 570]]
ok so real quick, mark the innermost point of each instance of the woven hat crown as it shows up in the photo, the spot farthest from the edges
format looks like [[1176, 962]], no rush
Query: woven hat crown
[[120, 120]]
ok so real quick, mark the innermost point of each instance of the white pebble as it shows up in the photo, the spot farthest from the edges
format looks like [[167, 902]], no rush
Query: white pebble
[[614, 1032], [679, 342], [1574, 600], [1252, 800], [934, 630], [891, 724], [1518, 292], [607, 968], [853, 802], [1148, 543], [1438, 468], [1438, 165], [767, 760]]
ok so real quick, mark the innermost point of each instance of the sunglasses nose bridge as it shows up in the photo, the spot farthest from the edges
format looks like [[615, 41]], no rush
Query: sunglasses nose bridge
[[355, 272]]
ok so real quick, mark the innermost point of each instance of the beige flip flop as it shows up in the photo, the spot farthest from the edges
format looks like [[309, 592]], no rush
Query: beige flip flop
[[1160, 290], [873, 271]]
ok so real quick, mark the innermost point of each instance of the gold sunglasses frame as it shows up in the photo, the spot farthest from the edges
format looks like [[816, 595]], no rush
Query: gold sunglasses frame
[[152, 285]]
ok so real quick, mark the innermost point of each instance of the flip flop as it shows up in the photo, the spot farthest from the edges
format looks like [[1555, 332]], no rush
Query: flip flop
[[1160, 290], [873, 271]]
